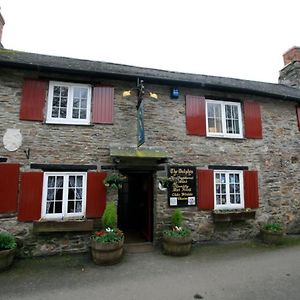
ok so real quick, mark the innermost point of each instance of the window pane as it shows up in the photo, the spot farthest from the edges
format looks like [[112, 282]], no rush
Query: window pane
[[218, 199], [231, 178], [49, 207], [218, 189], [237, 189], [54, 112], [79, 181], [56, 91], [83, 93], [76, 103], [71, 194], [63, 102], [83, 103], [59, 194], [58, 207], [78, 207], [64, 91], [223, 199], [76, 93], [75, 114], [217, 178], [223, 189], [83, 114], [51, 181], [50, 194], [55, 102], [71, 181], [63, 113], [59, 181], [237, 178], [71, 206], [238, 199], [232, 199], [78, 194], [223, 178]]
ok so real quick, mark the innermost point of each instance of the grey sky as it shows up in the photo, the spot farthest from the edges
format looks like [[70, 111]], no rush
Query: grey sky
[[232, 38]]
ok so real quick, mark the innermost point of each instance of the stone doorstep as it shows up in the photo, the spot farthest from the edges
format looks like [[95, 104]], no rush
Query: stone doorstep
[[62, 226], [139, 247]]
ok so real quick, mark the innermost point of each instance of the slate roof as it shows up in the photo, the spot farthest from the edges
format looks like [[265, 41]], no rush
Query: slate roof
[[25, 60]]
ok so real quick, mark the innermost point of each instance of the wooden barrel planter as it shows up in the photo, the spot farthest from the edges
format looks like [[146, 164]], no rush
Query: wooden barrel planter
[[6, 258], [272, 238], [107, 253], [177, 246]]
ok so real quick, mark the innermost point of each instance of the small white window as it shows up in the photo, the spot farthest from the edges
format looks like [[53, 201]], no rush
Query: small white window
[[229, 189], [69, 103], [64, 195], [223, 119]]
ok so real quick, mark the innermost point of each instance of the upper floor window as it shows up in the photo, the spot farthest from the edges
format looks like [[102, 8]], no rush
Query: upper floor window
[[223, 119], [64, 195], [229, 189], [69, 103]]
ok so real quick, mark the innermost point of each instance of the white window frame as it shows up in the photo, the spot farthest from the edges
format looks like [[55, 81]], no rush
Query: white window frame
[[68, 119], [64, 214], [229, 205], [223, 116]]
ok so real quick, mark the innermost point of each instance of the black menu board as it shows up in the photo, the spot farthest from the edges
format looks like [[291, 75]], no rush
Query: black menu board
[[182, 186]]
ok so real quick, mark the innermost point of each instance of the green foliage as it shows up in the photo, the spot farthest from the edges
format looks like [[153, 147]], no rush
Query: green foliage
[[180, 232], [109, 218], [108, 236], [114, 181], [176, 218], [7, 241], [273, 227]]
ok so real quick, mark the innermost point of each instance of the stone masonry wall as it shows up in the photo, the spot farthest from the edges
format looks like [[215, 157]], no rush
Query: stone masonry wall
[[276, 157]]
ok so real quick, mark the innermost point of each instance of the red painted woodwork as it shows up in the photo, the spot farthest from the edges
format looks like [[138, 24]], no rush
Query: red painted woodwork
[[298, 116], [195, 115], [205, 189], [30, 198], [252, 118], [96, 194], [9, 181], [251, 197], [33, 100], [103, 105]]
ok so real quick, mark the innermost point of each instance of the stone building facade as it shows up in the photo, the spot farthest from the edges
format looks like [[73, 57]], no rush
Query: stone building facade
[[258, 159]]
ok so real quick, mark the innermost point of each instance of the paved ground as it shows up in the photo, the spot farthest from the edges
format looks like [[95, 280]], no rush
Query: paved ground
[[232, 271]]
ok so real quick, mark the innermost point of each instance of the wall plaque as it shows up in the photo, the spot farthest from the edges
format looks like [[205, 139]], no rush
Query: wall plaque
[[182, 186]]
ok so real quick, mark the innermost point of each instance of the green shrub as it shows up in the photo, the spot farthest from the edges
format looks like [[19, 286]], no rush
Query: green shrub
[[176, 218], [182, 232], [108, 236], [273, 227], [7, 241], [109, 218]]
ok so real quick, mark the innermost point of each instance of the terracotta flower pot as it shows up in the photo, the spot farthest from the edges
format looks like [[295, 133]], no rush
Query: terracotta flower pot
[[6, 258], [270, 237], [107, 253], [177, 246]]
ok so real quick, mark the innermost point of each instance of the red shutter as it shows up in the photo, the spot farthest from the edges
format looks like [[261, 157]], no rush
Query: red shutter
[[195, 115], [30, 199], [251, 189], [9, 180], [96, 194], [252, 117], [298, 116], [205, 189], [103, 105], [33, 100]]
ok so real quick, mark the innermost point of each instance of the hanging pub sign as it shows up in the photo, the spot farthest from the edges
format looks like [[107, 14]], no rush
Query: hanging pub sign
[[182, 186], [140, 125]]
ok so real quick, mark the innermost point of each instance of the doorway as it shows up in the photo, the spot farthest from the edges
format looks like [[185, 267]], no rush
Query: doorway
[[135, 207]]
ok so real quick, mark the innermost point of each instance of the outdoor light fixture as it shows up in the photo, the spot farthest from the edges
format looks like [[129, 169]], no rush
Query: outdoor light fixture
[[140, 92], [174, 93]]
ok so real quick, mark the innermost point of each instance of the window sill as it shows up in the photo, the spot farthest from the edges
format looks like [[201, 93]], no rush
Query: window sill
[[44, 226], [233, 215]]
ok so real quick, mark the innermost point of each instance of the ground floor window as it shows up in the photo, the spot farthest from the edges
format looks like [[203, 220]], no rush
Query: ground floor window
[[228, 189], [64, 195]]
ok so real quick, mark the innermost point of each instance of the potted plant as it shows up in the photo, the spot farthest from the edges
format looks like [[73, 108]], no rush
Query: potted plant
[[107, 244], [114, 181], [7, 250], [177, 241], [272, 233]]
